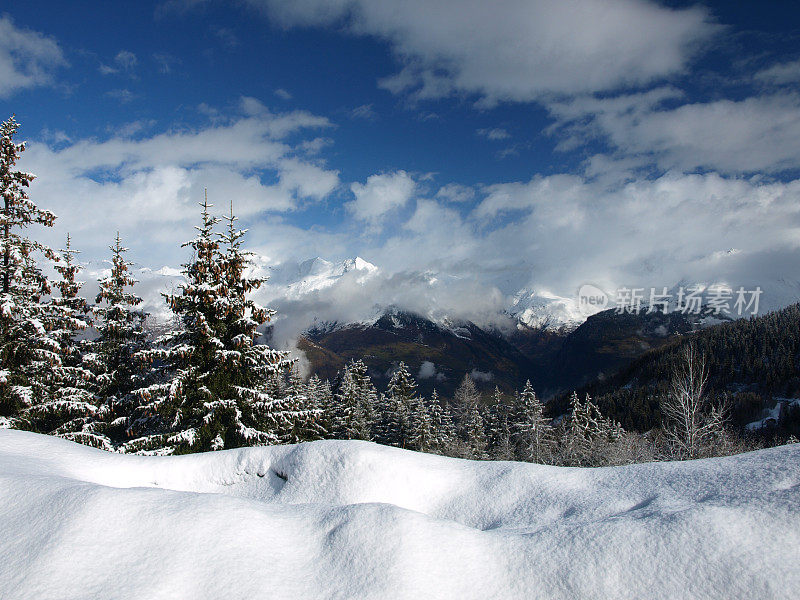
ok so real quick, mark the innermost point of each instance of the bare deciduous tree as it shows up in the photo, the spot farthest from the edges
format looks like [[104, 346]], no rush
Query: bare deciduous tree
[[690, 422]]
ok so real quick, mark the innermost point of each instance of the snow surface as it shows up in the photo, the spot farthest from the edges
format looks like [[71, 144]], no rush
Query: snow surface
[[336, 519]]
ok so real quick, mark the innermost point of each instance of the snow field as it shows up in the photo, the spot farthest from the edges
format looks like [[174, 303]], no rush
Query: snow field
[[335, 519]]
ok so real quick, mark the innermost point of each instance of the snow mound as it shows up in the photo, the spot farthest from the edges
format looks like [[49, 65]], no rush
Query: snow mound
[[352, 519]]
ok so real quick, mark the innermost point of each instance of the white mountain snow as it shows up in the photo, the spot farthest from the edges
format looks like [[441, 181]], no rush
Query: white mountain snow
[[544, 310], [293, 280], [318, 292], [349, 519]]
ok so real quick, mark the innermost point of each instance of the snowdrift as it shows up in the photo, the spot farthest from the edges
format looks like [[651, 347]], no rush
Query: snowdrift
[[352, 519]]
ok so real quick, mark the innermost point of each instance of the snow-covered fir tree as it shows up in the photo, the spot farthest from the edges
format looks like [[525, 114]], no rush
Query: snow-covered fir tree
[[320, 400], [589, 435], [401, 403], [475, 433], [497, 427], [309, 424], [71, 408], [213, 393], [28, 353], [121, 336], [355, 403], [422, 435], [533, 433], [444, 434], [471, 427]]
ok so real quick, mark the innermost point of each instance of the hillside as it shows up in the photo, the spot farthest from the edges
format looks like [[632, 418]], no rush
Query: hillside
[[753, 361], [449, 351], [554, 360], [301, 522]]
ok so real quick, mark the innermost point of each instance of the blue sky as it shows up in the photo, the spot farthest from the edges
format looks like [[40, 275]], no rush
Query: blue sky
[[515, 143]]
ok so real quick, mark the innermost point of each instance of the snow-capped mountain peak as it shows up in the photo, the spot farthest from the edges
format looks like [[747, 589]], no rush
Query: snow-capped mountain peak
[[543, 309], [316, 274]]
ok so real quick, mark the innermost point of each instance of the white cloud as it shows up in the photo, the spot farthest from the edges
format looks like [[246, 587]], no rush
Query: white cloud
[[484, 376], [133, 128], [759, 133], [780, 74], [559, 232], [517, 50], [27, 58], [455, 192], [365, 111], [126, 60], [426, 370], [495, 134], [283, 94], [380, 195], [148, 187], [565, 231]]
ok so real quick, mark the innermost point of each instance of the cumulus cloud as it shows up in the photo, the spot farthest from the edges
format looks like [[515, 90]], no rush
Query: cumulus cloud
[[380, 195], [518, 50], [558, 232], [758, 133], [148, 187], [27, 58]]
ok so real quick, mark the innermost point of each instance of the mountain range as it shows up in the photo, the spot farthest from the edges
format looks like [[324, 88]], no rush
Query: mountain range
[[443, 328]]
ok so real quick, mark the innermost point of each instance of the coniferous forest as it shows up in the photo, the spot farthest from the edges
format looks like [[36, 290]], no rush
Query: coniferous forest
[[92, 371]]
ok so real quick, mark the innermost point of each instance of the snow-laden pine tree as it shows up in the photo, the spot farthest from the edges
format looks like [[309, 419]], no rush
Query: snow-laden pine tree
[[401, 402], [71, 408], [320, 400], [475, 433], [304, 399], [422, 435], [589, 437], [28, 353], [113, 354], [498, 428], [467, 400], [214, 375], [354, 403], [533, 432], [444, 434]]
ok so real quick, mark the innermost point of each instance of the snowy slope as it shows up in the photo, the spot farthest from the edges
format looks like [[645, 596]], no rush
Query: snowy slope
[[544, 310], [356, 520], [294, 281]]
